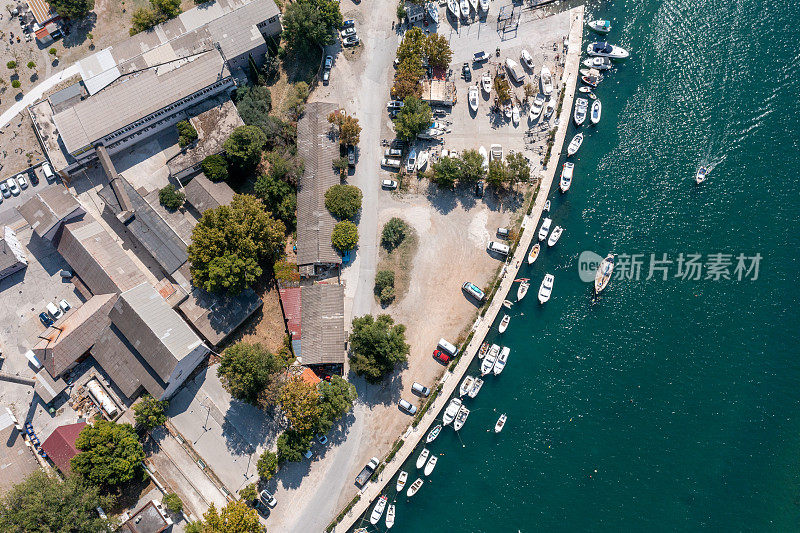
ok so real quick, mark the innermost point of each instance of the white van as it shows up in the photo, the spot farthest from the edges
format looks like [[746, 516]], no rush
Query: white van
[[498, 247], [420, 389], [47, 171], [474, 291], [54, 311], [448, 347]]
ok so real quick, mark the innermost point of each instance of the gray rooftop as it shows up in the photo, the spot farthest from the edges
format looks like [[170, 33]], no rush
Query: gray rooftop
[[16, 458], [48, 207], [204, 194], [124, 365], [322, 324], [215, 316], [318, 148], [12, 255]]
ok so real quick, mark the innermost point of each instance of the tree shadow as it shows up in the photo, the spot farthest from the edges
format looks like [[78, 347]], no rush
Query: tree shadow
[[442, 200], [245, 427], [77, 31]]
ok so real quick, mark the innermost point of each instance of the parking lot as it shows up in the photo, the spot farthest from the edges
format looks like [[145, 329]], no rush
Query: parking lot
[[8, 206]]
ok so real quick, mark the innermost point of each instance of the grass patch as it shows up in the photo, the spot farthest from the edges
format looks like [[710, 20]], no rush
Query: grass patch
[[400, 261]]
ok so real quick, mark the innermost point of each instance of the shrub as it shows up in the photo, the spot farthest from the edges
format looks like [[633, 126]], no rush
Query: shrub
[[150, 412], [377, 345], [215, 167], [172, 502], [344, 236], [16, 84], [267, 465], [31, 65], [384, 286], [11, 65], [171, 198], [186, 133], [249, 493], [286, 271], [343, 201], [393, 233]]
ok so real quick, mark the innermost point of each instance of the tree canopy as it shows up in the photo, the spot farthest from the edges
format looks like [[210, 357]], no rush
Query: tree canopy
[[159, 11], [299, 401], [498, 174], [377, 345], [344, 236], [471, 166], [348, 128], [110, 453], [336, 397], [394, 231], [310, 23], [235, 517], [437, 50], [276, 187], [72, 9], [519, 169], [231, 242], [247, 369], [414, 118], [243, 147], [215, 167], [186, 133], [384, 286], [446, 172], [406, 83], [343, 201], [171, 198], [292, 444], [267, 465], [150, 412]]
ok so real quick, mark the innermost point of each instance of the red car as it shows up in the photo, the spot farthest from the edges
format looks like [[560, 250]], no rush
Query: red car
[[441, 356]]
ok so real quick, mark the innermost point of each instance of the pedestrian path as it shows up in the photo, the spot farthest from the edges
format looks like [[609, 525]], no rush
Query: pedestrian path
[[36, 93]]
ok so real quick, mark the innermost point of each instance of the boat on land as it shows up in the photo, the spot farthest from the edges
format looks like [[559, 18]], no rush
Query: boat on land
[[452, 8], [597, 109], [484, 5], [504, 323], [488, 361], [502, 359], [536, 107], [549, 108], [527, 59], [423, 456], [507, 110], [574, 145], [422, 159], [498, 427], [599, 63], [566, 176], [515, 114], [401, 480], [390, 517], [557, 231], [432, 434], [547, 206], [545, 229], [547, 81], [414, 487], [485, 155], [603, 274], [473, 97], [433, 12], [377, 511], [430, 465], [522, 290], [411, 163], [466, 385], [486, 83], [464, 8], [483, 350], [702, 174], [600, 26], [461, 417], [474, 4], [581, 106], [546, 288], [604, 49], [533, 254], [476, 388], [451, 412]]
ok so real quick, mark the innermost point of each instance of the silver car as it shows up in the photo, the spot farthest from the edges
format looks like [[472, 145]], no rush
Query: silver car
[[407, 407], [12, 186]]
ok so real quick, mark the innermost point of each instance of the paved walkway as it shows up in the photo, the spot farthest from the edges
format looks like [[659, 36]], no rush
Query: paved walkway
[[36, 93], [451, 380]]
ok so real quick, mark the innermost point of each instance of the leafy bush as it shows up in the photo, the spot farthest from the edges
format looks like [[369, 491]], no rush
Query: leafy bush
[[186, 133], [172, 502], [286, 271], [292, 445], [159, 11], [243, 147], [393, 233], [170, 197], [73, 9], [246, 370], [16, 84], [384, 286], [413, 118], [377, 345], [110, 455], [343, 201], [249, 492], [276, 187], [344, 236], [150, 413], [215, 167], [310, 23], [267, 465]]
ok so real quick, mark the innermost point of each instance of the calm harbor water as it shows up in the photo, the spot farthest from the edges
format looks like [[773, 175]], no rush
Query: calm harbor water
[[665, 404]]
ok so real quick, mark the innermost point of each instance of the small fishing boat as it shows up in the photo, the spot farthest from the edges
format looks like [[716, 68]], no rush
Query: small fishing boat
[[483, 350], [581, 106], [536, 108], [430, 465], [498, 427], [476, 388], [545, 229], [591, 81], [549, 108], [599, 63], [466, 385], [489, 359], [555, 235], [594, 115], [702, 174], [377, 511], [461, 417], [592, 96], [507, 304], [423, 456], [603, 273], [574, 145], [533, 254], [585, 89], [432, 434], [515, 114], [566, 176], [401, 480], [547, 81], [485, 155], [390, 517], [547, 206], [450, 413], [474, 4], [504, 323], [484, 5], [473, 97], [452, 8], [502, 359], [546, 288], [411, 163], [603, 49], [464, 8], [522, 290], [600, 26], [360, 530], [527, 59], [414, 487], [433, 12], [486, 83], [591, 72]]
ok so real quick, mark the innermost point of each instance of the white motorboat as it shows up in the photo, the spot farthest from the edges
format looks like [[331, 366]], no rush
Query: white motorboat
[[486, 83], [600, 26], [603, 49], [476, 388], [466, 385], [515, 114], [547, 206], [411, 163], [484, 5], [461, 417], [591, 72], [502, 359], [597, 63], [584, 89], [451, 411], [507, 304], [549, 108], [514, 70], [496, 152], [423, 456], [452, 8], [401, 480], [390, 517], [544, 229], [536, 107], [377, 511], [547, 81], [533, 254], [422, 159], [702, 174], [498, 427], [464, 4], [504, 323], [546, 288], [566, 176], [489, 359], [432, 434], [581, 107], [527, 59], [430, 465], [433, 12], [485, 155], [507, 110], [597, 108], [603, 273], [555, 235], [574, 145], [414, 487], [522, 290], [473, 98], [474, 4]]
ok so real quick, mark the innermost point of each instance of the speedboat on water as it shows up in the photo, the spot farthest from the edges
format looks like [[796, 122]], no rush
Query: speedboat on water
[[547, 81], [566, 176], [502, 359], [486, 83], [702, 174], [545, 229], [390, 517], [489, 359], [430, 465], [464, 8], [591, 81], [423, 456], [466, 385], [452, 8], [603, 49], [585, 89], [600, 26], [504, 323], [533, 254], [498, 427], [522, 290], [401, 480], [594, 115], [547, 206], [473, 98], [452, 408], [581, 107], [603, 273], [557, 231], [377, 511], [414, 487], [433, 12], [574, 145], [546, 288], [476, 388], [432, 434], [483, 350], [461, 417], [599, 63]]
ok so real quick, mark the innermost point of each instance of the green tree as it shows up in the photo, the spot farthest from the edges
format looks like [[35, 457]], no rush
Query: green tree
[[299, 401], [348, 128], [310, 23], [31, 65], [254, 102], [401, 11], [249, 492], [72, 9], [406, 83], [235, 517], [414, 118], [111, 453], [336, 398], [291, 445], [519, 169], [150, 413], [52, 51], [344, 236], [215, 167], [437, 50], [341, 164], [16, 84], [172, 502], [143, 19], [412, 48], [384, 286], [171, 198], [393, 233], [446, 171], [231, 242], [471, 166], [376, 346], [267, 465], [279, 196], [246, 370], [42, 504], [243, 147], [343, 201], [12, 65], [498, 174], [186, 133]]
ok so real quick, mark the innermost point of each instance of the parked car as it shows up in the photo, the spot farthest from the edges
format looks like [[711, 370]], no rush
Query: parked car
[[267, 498], [23, 183], [466, 72], [351, 41], [420, 389], [326, 77], [395, 104], [48, 172], [479, 57], [66, 273], [64, 305], [34, 178], [351, 156], [503, 232], [322, 439], [479, 189], [46, 320], [54, 311], [349, 32], [4, 189], [348, 23], [498, 248], [328, 61], [389, 184], [441, 356], [261, 508], [12, 186], [407, 407]]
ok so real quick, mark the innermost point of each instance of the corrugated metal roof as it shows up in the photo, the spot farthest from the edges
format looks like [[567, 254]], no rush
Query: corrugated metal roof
[[215, 316], [204, 194], [323, 324], [237, 33], [124, 365], [48, 207], [42, 11], [290, 301]]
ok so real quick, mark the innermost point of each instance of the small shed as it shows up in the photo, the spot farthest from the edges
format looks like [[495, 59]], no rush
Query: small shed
[[60, 445]]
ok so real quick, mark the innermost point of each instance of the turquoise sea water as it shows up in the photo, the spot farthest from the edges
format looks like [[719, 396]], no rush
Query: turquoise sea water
[[664, 405]]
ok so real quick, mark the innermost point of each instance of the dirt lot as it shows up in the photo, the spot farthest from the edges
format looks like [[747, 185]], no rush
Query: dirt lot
[[266, 326]]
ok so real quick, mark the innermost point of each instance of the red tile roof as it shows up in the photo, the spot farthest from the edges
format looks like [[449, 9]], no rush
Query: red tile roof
[[309, 376], [60, 446], [290, 301]]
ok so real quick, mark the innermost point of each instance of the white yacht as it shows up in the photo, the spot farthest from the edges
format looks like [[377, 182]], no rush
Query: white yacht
[[599, 63], [555, 235], [600, 26], [451, 411], [547, 81], [547, 206], [574, 145], [549, 108], [502, 359], [464, 8], [536, 107], [527, 59], [432, 434], [566, 176], [486, 83], [476, 388], [411, 163], [597, 108], [473, 97], [430, 465], [466, 385], [545, 229], [603, 273], [489, 359], [377, 511], [461, 417], [498, 427], [522, 290], [390, 517], [603, 49], [515, 114], [533, 254], [504, 323], [546, 288], [581, 106], [423, 456]]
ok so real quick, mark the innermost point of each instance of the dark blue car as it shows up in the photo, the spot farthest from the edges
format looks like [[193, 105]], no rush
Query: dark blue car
[[46, 320]]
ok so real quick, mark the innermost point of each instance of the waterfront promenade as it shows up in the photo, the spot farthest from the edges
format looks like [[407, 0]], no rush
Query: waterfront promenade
[[452, 379]]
